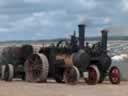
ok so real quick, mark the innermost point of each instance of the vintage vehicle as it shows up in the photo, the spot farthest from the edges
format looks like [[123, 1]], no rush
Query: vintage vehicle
[[66, 61]]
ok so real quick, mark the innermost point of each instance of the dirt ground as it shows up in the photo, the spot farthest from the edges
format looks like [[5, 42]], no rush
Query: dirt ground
[[20, 88]]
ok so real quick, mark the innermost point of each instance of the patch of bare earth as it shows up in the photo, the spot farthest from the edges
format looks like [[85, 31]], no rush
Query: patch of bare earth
[[20, 88]]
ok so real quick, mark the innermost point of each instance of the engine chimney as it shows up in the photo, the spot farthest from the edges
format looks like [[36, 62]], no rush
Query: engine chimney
[[104, 39], [81, 35]]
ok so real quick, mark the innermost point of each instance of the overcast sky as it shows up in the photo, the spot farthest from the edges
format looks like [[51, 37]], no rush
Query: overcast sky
[[47, 19]]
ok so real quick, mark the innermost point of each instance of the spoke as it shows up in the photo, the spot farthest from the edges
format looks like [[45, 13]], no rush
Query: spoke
[[36, 61], [37, 67]]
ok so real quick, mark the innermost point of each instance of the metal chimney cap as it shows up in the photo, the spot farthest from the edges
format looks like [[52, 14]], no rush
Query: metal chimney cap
[[81, 25], [104, 30]]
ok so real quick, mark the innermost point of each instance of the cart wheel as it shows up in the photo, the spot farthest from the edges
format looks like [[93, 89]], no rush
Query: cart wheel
[[2, 71], [93, 75], [71, 75], [114, 75], [36, 68], [8, 72]]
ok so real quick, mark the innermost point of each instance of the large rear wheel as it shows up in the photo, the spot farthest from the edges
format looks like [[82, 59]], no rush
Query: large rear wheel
[[36, 68], [8, 72], [2, 71], [71, 75], [93, 75]]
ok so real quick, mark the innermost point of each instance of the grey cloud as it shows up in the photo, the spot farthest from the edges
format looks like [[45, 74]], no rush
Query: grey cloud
[[44, 18], [119, 30]]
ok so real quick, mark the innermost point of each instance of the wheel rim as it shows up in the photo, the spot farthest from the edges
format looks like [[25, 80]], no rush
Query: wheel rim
[[114, 75], [11, 72], [6, 72], [3, 71], [71, 75], [92, 74]]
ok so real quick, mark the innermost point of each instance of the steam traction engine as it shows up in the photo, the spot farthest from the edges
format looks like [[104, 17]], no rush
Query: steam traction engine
[[67, 61]]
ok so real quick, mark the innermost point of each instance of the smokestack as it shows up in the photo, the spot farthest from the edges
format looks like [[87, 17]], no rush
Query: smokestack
[[104, 39], [81, 35]]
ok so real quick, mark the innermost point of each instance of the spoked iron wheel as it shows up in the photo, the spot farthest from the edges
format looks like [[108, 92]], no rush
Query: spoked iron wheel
[[8, 72], [36, 68], [3, 71], [93, 75], [71, 75], [114, 75]]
